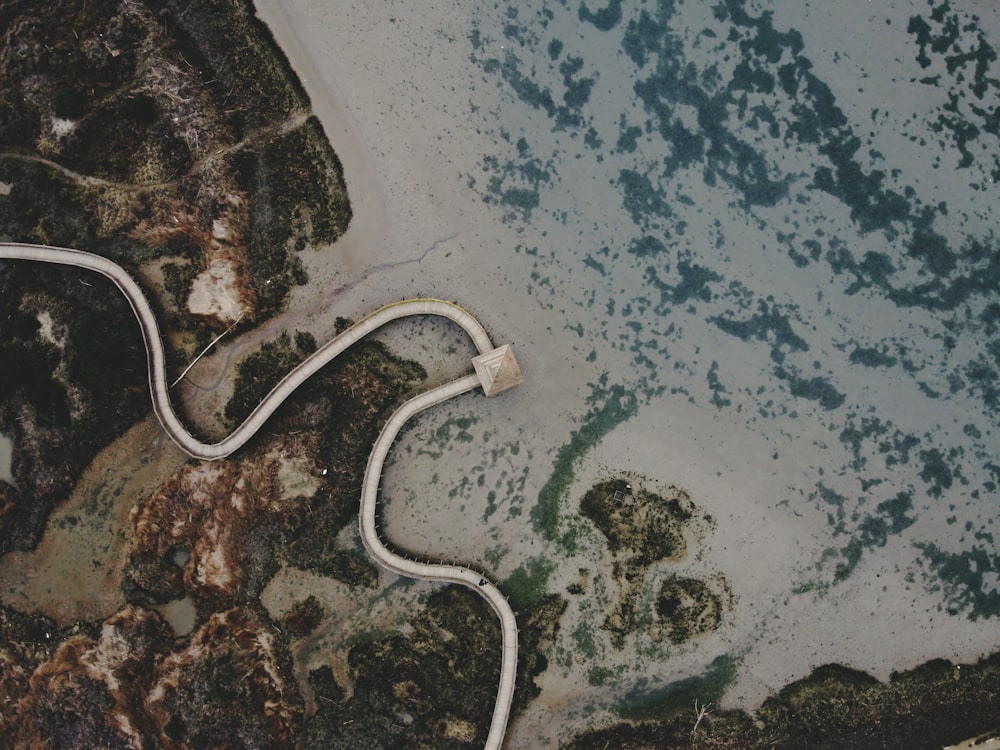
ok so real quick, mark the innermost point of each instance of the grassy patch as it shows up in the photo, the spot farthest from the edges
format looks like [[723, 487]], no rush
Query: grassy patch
[[258, 372]]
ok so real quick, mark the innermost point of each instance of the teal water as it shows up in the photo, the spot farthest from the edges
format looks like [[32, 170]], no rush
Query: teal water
[[782, 226]]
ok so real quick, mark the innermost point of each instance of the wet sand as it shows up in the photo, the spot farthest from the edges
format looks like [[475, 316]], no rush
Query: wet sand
[[414, 119]]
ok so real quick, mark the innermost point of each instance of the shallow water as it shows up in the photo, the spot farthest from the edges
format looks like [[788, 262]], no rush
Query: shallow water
[[180, 614], [748, 253]]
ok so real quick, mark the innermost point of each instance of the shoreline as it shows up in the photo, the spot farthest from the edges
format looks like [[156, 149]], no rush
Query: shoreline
[[726, 318], [380, 93], [368, 202]]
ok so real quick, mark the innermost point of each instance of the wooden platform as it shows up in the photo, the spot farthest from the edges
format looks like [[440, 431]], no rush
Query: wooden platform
[[498, 370]]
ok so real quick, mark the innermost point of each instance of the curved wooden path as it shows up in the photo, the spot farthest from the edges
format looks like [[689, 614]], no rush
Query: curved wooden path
[[159, 392]]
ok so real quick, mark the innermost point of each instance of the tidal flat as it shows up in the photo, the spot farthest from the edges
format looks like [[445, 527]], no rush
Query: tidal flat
[[746, 255], [746, 250]]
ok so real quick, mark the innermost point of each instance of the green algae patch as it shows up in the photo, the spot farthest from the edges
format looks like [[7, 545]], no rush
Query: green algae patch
[[816, 389], [679, 696], [526, 585], [618, 405], [770, 325], [872, 357]]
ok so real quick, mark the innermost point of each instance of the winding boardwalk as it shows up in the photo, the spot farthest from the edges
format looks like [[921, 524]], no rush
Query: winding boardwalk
[[159, 392], [435, 571]]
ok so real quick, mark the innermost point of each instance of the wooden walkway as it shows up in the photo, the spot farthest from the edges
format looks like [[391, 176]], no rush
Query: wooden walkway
[[159, 391]]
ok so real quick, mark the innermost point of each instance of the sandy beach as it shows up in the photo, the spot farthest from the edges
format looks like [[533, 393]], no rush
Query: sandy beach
[[790, 436]]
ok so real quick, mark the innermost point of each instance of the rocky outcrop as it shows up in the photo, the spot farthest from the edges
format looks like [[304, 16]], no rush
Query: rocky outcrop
[[229, 686]]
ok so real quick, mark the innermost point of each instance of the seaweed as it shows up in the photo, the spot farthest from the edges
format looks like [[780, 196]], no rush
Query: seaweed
[[768, 324], [604, 19], [526, 586], [618, 406], [968, 578]]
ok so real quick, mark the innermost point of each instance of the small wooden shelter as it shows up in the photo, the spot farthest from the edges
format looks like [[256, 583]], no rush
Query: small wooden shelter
[[498, 370]]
